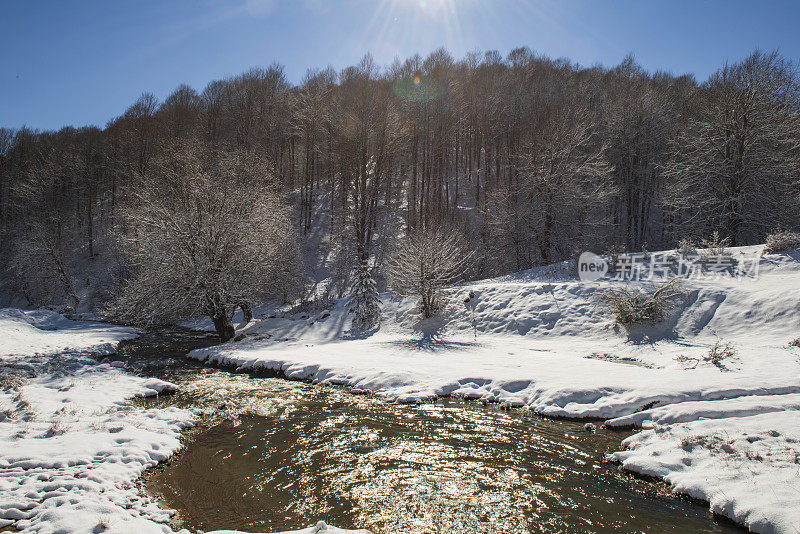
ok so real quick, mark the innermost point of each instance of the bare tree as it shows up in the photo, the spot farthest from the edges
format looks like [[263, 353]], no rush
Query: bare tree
[[6, 142], [562, 191], [42, 249], [427, 261], [205, 233], [735, 166]]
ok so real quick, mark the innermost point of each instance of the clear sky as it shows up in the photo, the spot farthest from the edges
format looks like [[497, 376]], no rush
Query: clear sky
[[84, 61]]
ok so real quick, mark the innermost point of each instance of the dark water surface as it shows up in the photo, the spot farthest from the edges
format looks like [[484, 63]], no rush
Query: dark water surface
[[274, 455]]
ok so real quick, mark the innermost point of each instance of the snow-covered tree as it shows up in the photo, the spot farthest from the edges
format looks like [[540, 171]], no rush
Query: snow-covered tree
[[427, 261], [735, 165], [205, 234], [365, 304]]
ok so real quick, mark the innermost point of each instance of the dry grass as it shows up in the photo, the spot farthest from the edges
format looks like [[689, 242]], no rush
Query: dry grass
[[104, 522], [11, 381], [782, 241], [632, 307], [719, 355]]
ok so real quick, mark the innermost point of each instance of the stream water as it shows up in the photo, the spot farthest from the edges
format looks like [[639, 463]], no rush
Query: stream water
[[272, 455]]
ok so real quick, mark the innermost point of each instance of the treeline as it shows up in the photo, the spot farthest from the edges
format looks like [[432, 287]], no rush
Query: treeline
[[530, 160]]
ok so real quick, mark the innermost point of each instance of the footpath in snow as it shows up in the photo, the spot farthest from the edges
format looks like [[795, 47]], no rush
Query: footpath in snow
[[726, 431]]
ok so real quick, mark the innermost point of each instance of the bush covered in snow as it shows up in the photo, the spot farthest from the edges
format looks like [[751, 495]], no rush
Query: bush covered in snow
[[364, 303], [614, 253], [426, 262], [636, 306], [715, 247], [781, 241], [687, 247]]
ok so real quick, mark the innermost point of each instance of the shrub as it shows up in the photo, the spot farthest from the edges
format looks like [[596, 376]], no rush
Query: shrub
[[633, 307], [795, 343], [714, 247], [720, 352], [718, 355], [427, 261], [614, 253], [687, 247], [781, 241]]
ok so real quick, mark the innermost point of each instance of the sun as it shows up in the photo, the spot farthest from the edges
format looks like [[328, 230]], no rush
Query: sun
[[395, 24], [433, 5]]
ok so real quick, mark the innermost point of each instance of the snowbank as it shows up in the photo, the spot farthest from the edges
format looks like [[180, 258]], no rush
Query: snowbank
[[545, 342], [747, 468], [25, 333], [71, 445]]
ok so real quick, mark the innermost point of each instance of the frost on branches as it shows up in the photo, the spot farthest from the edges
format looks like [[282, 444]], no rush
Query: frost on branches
[[426, 262], [205, 233], [365, 304]]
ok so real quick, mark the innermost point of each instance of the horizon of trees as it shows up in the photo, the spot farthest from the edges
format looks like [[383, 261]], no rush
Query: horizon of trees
[[531, 160]]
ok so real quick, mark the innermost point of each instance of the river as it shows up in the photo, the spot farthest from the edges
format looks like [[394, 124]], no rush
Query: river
[[272, 454]]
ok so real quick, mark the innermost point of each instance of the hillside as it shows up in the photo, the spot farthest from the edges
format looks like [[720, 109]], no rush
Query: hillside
[[725, 430]]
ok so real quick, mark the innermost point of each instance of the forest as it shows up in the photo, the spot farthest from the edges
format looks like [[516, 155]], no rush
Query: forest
[[256, 189]]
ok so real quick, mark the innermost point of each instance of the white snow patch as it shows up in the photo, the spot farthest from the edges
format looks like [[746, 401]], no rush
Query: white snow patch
[[319, 528], [71, 445], [747, 468]]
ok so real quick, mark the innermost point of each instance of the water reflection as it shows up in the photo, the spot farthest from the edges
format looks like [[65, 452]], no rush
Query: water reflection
[[279, 455]]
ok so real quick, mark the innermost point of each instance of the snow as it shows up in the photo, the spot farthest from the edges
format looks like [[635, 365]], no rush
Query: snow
[[71, 445], [545, 342], [319, 528], [26, 333], [747, 468]]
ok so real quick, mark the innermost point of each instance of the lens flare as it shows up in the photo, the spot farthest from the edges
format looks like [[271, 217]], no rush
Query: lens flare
[[397, 24], [418, 89]]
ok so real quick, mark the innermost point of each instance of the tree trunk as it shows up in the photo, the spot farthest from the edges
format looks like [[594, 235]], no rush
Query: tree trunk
[[247, 312], [224, 327]]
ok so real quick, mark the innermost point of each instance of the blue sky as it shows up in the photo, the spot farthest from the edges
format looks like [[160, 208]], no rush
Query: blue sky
[[84, 62]]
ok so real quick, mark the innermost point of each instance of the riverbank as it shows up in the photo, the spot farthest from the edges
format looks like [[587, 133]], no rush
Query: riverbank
[[72, 444], [722, 429]]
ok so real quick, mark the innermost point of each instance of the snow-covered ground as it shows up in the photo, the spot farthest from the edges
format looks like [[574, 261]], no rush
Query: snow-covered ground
[[71, 443], [320, 528], [728, 432]]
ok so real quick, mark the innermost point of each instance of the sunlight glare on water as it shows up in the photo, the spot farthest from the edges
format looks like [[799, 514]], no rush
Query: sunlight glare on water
[[276, 455]]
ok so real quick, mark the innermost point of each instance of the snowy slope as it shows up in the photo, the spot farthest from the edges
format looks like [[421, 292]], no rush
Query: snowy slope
[[544, 341]]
